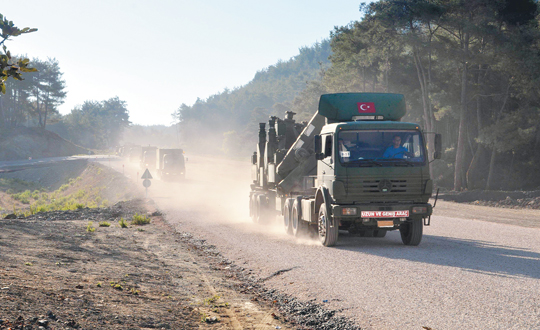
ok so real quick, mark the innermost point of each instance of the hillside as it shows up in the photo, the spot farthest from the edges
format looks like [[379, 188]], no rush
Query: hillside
[[224, 121], [23, 142]]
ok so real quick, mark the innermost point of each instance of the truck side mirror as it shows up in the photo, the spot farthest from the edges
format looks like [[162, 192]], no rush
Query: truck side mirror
[[254, 158], [318, 147], [438, 147]]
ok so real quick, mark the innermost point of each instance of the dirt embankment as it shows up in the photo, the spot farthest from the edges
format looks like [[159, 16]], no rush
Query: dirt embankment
[[22, 143], [63, 186], [82, 269], [506, 199]]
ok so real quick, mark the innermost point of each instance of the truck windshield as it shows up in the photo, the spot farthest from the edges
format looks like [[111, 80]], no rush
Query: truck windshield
[[381, 148]]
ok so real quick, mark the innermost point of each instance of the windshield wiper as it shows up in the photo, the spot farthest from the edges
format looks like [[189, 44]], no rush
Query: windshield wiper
[[401, 161], [364, 162]]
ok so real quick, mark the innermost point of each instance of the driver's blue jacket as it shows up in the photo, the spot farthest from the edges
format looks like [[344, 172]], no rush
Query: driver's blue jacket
[[392, 152]]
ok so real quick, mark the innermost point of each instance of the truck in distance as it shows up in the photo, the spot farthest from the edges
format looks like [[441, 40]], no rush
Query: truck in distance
[[170, 164], [148, 157], [134, 153], [354, 166]]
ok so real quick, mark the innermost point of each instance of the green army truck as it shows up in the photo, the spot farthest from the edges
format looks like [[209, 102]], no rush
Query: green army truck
[[354, 166], [148, 157], [170, 164]]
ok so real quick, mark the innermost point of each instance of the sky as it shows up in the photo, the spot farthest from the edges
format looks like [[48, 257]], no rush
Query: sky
[[156, 55]]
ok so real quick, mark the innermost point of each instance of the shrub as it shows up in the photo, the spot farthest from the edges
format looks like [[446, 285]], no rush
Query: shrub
[[42, 208], [80, 194], [122, 223], [104, 224], [140, 220], [90, 228]]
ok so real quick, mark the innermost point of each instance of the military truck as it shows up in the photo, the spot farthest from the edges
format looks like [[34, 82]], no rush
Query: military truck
[[134, 153], [148, 157], [354, 166], [170, 165]]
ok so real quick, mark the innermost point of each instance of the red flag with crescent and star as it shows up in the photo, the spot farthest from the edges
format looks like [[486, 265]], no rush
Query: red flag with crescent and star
[[366, 107]]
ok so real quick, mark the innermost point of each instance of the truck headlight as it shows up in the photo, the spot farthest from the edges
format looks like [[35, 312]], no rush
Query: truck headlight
[[348, 211], [419, 209]]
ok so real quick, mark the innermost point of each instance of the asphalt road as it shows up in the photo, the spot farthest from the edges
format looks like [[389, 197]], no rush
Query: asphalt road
[[476, 268], [19, 165]]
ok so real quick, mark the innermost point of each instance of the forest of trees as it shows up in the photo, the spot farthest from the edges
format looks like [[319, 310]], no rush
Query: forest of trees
[[34, 101], [469, 70], [96, 125]]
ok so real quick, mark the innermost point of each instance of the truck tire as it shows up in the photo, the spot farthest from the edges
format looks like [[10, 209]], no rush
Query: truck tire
[[328, 232], [411, 232], [299, 226], [287, 212]]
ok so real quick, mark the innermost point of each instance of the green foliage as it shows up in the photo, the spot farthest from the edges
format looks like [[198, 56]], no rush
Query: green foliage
[[57, 200], [140, 220], [427, 50], [116, 286], [104, 224], [9, 67], [90, 227], [95, 125], [122, 223], [64, 187], [12, 186]]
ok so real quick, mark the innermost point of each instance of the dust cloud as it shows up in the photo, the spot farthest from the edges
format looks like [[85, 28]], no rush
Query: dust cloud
[[215, 191]]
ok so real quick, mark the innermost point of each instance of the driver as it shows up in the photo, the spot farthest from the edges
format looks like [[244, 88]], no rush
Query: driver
[[396, 150]]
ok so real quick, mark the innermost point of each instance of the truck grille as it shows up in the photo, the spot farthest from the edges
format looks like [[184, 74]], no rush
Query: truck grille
[[378, 187], [373, 186]]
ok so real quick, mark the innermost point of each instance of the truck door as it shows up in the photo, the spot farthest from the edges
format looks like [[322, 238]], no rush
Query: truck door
[[325, 166]]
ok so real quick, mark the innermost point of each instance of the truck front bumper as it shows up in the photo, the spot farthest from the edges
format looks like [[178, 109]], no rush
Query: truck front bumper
[[377, 214]]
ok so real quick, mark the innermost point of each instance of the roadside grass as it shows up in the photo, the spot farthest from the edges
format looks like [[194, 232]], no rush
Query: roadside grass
[[39, 199], [13, 186], [140, 220], [122, 223], [90, 227]]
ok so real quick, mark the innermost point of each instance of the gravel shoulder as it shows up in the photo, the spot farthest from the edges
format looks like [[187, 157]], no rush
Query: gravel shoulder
[[62, 270], [56, 274]]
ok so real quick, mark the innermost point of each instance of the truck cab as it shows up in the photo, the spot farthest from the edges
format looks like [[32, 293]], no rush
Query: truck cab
[[375, 185]]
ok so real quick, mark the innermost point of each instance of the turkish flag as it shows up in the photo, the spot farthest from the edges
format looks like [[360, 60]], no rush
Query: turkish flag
[[366, 107]]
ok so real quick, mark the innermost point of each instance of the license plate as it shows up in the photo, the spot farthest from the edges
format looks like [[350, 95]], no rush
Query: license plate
[[383, 223], [385, 214]]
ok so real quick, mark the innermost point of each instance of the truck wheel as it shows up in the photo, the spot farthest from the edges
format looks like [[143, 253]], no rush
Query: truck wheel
[[411, 232], [287, 211], [299, 226], [328, 232]]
